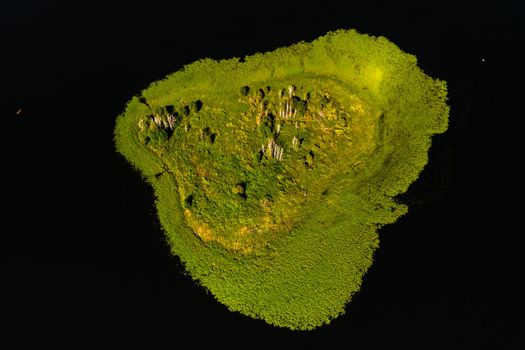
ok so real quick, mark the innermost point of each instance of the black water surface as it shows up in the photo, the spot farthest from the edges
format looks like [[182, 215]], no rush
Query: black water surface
[[83, 258]]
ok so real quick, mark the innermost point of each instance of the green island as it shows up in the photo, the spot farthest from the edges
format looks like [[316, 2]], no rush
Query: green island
[[273, 173]]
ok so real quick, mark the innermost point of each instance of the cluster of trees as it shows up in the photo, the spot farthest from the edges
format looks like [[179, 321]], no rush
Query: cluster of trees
[[158, 127], [272, 111]]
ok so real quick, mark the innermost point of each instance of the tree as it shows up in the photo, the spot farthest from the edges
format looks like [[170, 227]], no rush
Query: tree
[[196, 106], [185, 111], [245, 90], [299, 105]]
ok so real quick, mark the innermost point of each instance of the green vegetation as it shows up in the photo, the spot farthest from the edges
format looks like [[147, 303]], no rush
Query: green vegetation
[[273, 175]]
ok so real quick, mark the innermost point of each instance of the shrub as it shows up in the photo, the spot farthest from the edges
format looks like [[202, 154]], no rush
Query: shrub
[[245, 90]]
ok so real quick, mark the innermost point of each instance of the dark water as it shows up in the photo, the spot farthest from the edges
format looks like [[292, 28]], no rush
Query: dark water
[[83, 259]]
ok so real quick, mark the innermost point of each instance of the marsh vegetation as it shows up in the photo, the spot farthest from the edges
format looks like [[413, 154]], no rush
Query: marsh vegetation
[[272, 175]]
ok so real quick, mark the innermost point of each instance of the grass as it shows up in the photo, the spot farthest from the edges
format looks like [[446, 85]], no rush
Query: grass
[[273, 175]]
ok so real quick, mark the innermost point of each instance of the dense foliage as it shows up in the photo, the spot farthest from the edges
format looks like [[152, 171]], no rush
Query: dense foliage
[[273, 175]]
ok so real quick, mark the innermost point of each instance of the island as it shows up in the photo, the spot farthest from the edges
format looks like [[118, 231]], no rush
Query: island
[[273, 173]]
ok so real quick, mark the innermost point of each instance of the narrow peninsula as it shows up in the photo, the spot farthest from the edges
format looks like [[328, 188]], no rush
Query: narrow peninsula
[[273, 173]]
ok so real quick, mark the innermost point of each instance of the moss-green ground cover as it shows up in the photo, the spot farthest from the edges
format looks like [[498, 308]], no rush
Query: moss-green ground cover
[[273, 175]]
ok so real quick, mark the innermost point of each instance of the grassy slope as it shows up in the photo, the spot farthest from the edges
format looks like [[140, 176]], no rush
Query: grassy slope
[[304, 279]]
